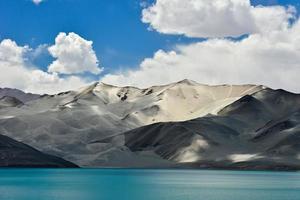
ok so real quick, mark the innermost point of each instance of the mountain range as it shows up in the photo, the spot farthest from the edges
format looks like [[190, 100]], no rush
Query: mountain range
[[183, 125]]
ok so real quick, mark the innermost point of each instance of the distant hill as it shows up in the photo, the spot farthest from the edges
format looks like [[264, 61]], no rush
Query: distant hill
[[18, 94], [17, 154]]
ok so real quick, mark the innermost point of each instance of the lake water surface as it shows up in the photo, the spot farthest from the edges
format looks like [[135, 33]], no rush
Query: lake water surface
[[130, 184]]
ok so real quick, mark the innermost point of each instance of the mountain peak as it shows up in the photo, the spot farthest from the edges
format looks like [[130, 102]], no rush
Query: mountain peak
[[188, 82]]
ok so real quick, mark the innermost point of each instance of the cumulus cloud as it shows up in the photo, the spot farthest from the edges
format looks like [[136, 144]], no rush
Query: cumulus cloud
[[215, 18], [11, 54], [74, 55], [269, 55], [16, 72], [270, 59]]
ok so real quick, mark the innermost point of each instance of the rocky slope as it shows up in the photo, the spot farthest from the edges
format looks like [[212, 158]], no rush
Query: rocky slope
[[175, 125], [258, 131], [71, 124], [17, 154], [7, 101], [18, 94]]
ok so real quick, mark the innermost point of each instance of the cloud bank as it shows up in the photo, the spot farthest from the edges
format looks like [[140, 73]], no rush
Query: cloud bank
[[215, 18], [269, 55]]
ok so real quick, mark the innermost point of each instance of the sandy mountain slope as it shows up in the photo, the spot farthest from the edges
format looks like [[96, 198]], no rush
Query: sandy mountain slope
[[86, 126], [179, 101], [258, 131]]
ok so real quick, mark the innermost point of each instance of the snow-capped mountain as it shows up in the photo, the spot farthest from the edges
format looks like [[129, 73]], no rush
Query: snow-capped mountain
[[179, 124]]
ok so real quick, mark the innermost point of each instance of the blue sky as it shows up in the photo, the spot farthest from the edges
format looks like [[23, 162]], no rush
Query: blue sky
[[121, 40]]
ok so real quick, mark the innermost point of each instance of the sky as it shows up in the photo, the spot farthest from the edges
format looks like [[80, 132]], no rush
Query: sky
[[49, 46]]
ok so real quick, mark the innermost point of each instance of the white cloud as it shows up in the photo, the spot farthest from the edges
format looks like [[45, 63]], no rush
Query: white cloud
[[271, 59], [16, 72], [73, 55], [37, 2], [11, 54], [215, 18], [268, 56]]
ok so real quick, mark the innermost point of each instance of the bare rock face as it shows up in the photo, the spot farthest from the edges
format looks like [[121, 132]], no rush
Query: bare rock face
[[17, 154]]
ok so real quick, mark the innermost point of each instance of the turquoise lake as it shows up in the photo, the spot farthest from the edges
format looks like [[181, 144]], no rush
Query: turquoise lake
[[131, 184]]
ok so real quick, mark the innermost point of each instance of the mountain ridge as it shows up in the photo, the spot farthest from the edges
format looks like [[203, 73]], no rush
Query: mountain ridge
[[102, 125]]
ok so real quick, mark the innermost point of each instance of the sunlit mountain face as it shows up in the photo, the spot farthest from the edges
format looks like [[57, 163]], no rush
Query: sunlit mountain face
[[181, 124]]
